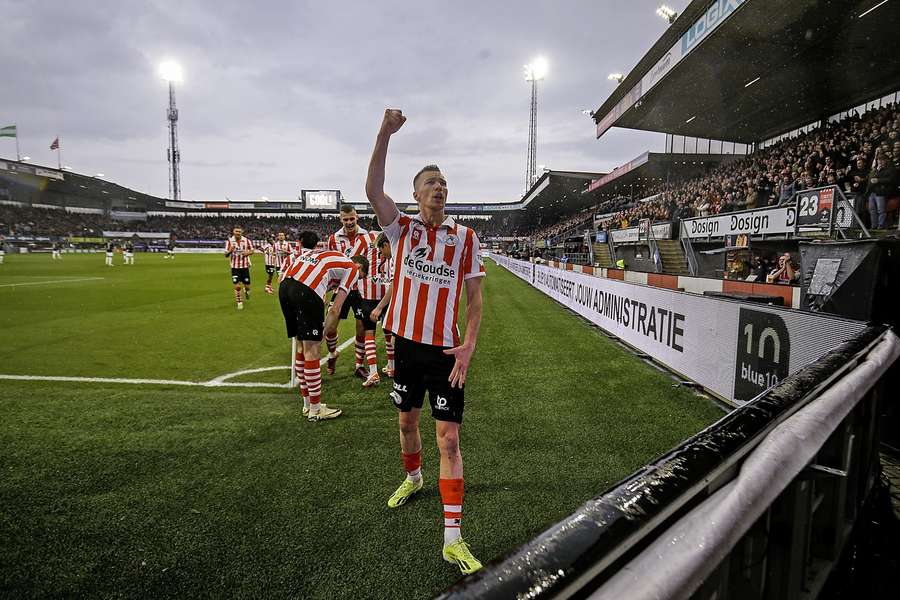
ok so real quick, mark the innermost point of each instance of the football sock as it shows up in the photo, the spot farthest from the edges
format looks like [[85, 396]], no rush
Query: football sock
[[299, 366], [313, 374], [389, 347], [452, 499], [413, 465], [237, 295], [360, 351], [331, 342], [371, 356]]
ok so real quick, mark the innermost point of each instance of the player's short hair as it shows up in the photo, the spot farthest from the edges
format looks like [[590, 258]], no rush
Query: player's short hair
[[309, 239], [424, 169], [381, 240], [346, 209], [363, 263]]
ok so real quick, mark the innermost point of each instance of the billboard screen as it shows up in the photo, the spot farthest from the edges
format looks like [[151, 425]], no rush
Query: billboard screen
[[321, 199]]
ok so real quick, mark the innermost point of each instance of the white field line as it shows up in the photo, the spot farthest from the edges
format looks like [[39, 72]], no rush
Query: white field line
[[53, 281], [220, 381]]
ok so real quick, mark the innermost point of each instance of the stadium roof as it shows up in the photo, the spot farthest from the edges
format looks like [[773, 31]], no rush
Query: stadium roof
[[564, 188], [748, 70], [650, 168]]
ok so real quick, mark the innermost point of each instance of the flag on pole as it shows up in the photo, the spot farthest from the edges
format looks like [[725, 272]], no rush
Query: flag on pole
[[8, 131], [55, 144]]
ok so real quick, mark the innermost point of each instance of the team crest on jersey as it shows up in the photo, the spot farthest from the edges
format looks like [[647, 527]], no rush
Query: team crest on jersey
[[451, 240], [416, 235]]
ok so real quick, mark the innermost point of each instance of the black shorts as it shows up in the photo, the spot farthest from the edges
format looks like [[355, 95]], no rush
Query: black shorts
[[270, 269], [362, 310], [421, 368], [303, 310], [350, 303], [240, 276]]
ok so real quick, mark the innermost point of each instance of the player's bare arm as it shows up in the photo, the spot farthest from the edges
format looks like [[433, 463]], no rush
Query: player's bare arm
[[384, 206], [334, 313], [463, 352], [379, 308]]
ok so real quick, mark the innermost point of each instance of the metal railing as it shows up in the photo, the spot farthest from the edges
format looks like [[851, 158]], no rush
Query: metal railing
[[758, 505]]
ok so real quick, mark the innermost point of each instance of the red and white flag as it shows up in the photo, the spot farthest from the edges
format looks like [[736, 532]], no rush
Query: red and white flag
[[55, 144]]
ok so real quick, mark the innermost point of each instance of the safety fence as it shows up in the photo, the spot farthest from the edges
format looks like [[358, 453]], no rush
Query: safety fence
[[758, 505]]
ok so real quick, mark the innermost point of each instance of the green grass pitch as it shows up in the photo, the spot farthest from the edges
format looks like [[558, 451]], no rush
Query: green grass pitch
[[111, 489]]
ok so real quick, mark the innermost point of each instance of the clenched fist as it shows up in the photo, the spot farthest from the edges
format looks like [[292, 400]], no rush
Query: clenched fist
[[393, 121]]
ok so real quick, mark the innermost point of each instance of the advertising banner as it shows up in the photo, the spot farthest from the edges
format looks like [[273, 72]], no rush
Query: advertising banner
[[633, 235], [762, 221], [734, 349], [815, 208]]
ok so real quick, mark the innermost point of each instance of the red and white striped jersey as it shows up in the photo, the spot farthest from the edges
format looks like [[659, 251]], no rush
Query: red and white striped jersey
[[237, 249], [339, 241], [270, 254], [322, 271], [430, 266], [283, 250], [374, 285]]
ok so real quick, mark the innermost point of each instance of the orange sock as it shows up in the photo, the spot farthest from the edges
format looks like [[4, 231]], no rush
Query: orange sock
[[452, 498]]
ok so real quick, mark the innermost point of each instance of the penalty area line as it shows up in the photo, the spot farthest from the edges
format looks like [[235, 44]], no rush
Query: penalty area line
[[221, 379], [129, 381]]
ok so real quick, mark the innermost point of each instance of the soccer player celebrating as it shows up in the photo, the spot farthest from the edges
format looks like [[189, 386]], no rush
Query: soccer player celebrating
[[271, 263], [302, 295], [283, 250], [371, 290], [350, 240], [238, 249], [433, 258]]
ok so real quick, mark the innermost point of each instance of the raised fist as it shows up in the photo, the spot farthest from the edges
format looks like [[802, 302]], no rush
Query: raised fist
[[393, 121]]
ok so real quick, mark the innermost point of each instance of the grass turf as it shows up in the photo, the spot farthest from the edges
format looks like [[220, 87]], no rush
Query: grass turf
[[148, 490]]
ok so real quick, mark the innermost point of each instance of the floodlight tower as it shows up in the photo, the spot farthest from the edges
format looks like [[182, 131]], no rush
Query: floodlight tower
[[171, 72], [534, 72]]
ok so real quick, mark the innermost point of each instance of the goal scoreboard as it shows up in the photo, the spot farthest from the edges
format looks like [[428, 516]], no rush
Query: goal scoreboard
[[321, 199]]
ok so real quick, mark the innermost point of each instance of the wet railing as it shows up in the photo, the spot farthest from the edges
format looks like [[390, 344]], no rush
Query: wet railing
[[760, 503]]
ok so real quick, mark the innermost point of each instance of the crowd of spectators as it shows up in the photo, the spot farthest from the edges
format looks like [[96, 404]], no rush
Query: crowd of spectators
[[28, 221], [860, 154]]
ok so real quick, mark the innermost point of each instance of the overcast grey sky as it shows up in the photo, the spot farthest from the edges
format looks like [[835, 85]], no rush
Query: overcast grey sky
[[288, 95]]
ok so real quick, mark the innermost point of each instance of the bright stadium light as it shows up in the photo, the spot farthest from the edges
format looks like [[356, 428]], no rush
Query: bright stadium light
[[24, 158], [667, 13], [99, 175], [617, 77], [171, 71], [536, 70]]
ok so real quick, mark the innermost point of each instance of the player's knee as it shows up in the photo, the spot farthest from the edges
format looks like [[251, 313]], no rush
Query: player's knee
[[448, 442], [408, 423]]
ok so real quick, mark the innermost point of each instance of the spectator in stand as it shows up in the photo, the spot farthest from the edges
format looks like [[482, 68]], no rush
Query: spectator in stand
[[786, 273], [882, 183]]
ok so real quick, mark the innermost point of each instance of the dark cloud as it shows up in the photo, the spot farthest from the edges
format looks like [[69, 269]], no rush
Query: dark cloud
[[280, 96]]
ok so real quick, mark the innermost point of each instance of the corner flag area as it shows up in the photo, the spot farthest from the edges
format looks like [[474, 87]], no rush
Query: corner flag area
[[152, 446]]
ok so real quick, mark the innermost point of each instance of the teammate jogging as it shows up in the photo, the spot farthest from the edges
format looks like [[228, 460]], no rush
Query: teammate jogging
[[238, 249], [304, 282], [271, 259], [433, 258], [350, 240]]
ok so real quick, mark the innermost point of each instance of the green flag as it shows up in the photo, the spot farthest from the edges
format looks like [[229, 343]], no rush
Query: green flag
[[8, 131]]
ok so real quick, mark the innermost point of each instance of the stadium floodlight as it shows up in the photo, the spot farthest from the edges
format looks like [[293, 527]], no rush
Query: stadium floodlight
[[617, 77], [171, 71], [99, 175], [24, 158], [667, 13], [264, 198], [536, 70]]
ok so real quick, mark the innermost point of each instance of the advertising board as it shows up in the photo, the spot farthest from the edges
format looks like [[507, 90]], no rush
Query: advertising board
[[734, 349]]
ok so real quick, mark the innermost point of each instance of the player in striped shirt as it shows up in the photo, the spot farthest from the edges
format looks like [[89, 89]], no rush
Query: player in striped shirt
[[304, 282], [283, 250], [350, 240], [372, 287], [271, 258], [434, 258], [238, 250], [385, 272]]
